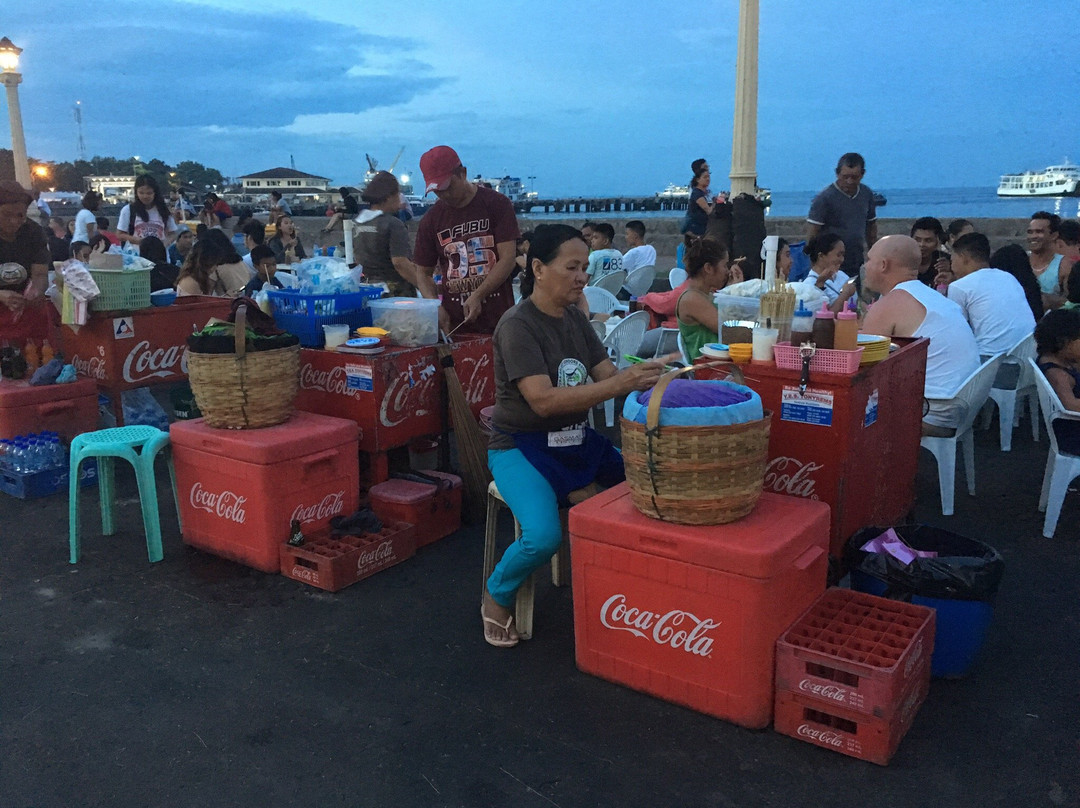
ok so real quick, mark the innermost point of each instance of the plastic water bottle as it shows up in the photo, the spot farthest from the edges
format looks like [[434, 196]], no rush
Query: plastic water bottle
[[316, 250], [32, 454], [18, 452], [59, 456], [5, 456]]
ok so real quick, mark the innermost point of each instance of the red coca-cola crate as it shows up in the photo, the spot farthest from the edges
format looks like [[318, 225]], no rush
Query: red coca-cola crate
[[840, 729], [691, 613], [335, 562], [856, 651], [69, 409], [240, 490], [434, 509]]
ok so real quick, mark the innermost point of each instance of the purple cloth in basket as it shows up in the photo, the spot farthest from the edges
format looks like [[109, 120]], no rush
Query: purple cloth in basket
[[689, 393]]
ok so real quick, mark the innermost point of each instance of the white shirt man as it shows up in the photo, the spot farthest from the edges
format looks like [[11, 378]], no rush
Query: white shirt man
[[638, 253], [993, 301], [909, 308]]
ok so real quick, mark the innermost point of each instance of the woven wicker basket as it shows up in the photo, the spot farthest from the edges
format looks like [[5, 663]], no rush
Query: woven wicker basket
[[245, 390], [694, 475]]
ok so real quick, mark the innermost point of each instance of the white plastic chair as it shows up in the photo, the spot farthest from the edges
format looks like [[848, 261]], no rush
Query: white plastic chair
[[677, 277], [640, 280], [970, 396], [601, 301], [624, 339], [1061, 468], [1006, 399], [612, 282], [599, 328], [669, 342], [682, 349]]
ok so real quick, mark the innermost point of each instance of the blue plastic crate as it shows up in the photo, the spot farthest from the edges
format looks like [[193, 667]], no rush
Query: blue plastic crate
[[305, 315], [34, 484]]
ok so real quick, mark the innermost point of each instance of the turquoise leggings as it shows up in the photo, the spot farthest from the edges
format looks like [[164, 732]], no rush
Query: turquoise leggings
[[533, 503]]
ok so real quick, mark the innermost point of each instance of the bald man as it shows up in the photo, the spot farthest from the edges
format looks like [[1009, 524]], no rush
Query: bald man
[[908, 308]]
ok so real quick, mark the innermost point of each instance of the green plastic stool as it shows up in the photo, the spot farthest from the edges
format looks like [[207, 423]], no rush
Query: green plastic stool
[[139, 445]]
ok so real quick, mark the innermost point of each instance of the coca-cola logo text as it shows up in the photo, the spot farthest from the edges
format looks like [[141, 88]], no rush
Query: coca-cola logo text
[[94, 367], [333, 381], [914, 658], [225, 504], [831, 692], [826, 737], [411, 393], [330, 505], [786, 475], [375, 556], [676, 628], [143, 363]]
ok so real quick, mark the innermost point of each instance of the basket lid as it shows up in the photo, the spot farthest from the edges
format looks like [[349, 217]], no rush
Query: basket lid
[[766, 542], [303, 434]]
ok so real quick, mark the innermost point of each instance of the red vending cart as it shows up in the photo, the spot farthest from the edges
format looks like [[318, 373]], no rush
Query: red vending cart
[[851, 441], [394, 396], [122, 351]]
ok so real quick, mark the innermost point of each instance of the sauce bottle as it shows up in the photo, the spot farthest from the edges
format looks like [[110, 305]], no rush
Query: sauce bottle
[[846, 334], [824, 327], [30, 353], [802, 325]]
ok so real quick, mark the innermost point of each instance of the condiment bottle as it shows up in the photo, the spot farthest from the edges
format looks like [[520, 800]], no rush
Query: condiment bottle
[[846, 333], [802, 325], [47, 353], [824, 327], [30, 353]]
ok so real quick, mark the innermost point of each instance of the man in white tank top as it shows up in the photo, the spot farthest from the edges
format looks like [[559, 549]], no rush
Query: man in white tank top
[[908, 308]]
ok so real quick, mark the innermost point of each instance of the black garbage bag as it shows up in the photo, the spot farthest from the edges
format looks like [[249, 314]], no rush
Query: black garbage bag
[[965, 569]]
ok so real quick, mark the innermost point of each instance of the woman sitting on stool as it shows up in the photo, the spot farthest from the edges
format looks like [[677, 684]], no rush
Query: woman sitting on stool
[[542, 448]]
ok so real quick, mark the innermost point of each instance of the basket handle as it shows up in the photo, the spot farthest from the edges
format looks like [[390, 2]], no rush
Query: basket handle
[[240, 330], [652, 414]]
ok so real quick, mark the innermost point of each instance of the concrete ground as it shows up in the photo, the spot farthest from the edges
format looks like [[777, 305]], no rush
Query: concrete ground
[[198, 682]]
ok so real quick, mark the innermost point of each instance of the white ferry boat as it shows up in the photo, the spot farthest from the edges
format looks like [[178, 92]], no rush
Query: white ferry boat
[[508, 186], [1063, 180]]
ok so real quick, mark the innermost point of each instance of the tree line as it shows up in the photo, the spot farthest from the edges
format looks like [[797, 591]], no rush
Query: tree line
[[68, 176]]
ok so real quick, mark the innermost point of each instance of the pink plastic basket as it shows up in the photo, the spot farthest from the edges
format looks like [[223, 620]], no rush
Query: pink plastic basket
[[825, 360]]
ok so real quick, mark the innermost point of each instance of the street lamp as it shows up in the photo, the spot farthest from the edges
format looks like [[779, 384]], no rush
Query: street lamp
[[9, 75]]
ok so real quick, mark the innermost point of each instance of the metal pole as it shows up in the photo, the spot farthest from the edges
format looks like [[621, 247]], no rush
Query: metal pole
[[744, 134], [18, 141], [347, 228]]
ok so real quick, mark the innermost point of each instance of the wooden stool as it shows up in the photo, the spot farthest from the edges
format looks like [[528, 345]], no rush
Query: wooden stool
[[560, 562]]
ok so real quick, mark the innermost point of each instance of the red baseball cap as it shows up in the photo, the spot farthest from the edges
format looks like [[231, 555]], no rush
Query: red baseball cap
[[438, 166]]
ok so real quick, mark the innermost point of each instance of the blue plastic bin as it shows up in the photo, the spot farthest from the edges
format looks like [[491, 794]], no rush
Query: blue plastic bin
[[960, 585], [305, 315]]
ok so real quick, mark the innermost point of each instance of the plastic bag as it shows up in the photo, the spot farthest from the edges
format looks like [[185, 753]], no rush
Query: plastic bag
[[140, 407], [965, 569]]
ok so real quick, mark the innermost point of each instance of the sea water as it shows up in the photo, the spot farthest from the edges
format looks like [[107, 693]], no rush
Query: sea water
[[902, 203]]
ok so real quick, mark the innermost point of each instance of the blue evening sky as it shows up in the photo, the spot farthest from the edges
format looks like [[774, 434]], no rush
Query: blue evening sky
[[607, 97]]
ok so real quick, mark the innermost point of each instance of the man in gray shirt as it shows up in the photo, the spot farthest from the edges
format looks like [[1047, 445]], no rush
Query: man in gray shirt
[[846, 207]]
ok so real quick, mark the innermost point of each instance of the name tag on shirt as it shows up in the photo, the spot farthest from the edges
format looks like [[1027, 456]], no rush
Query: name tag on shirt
[[574, 436]]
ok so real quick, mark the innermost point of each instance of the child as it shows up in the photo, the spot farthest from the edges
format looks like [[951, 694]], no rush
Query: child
[[604, 259], [80, 251], [1057, 340], [265, 263]]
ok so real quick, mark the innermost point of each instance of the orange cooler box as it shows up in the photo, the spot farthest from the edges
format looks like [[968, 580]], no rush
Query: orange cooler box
[[691, 614], [239, 490], [435, 511], [69, 409]]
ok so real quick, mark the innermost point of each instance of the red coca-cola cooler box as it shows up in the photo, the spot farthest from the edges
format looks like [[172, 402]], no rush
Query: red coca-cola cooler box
[[69, 409], [240, 490], [691, 614]]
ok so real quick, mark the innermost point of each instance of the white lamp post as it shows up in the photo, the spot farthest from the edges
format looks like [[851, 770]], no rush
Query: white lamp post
[[744, 135], [9, 75]]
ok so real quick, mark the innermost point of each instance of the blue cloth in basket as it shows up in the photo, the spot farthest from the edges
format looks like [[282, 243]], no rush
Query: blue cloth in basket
[[689, 402]]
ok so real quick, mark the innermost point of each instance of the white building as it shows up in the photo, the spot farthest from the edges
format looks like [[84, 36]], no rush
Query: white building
[[286, 181], [113, 188]]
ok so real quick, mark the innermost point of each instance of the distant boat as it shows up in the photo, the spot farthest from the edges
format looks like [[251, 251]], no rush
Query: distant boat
[[417, 203], [681, 193], [1063, 180], [508, 186]]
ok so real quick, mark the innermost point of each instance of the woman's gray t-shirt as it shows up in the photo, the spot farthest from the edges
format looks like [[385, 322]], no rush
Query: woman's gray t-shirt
[[531, 343]]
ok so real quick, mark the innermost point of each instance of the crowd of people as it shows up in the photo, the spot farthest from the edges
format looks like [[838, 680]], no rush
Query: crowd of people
[[942, 283]]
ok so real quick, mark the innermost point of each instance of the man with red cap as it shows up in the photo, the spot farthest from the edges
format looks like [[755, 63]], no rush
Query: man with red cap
[[24, 269], [469, 238]]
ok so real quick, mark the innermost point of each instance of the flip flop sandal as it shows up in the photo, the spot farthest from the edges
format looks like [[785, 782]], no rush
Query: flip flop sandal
[[491, 638]]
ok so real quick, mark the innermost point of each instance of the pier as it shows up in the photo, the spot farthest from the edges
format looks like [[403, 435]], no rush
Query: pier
[[600, 205]]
